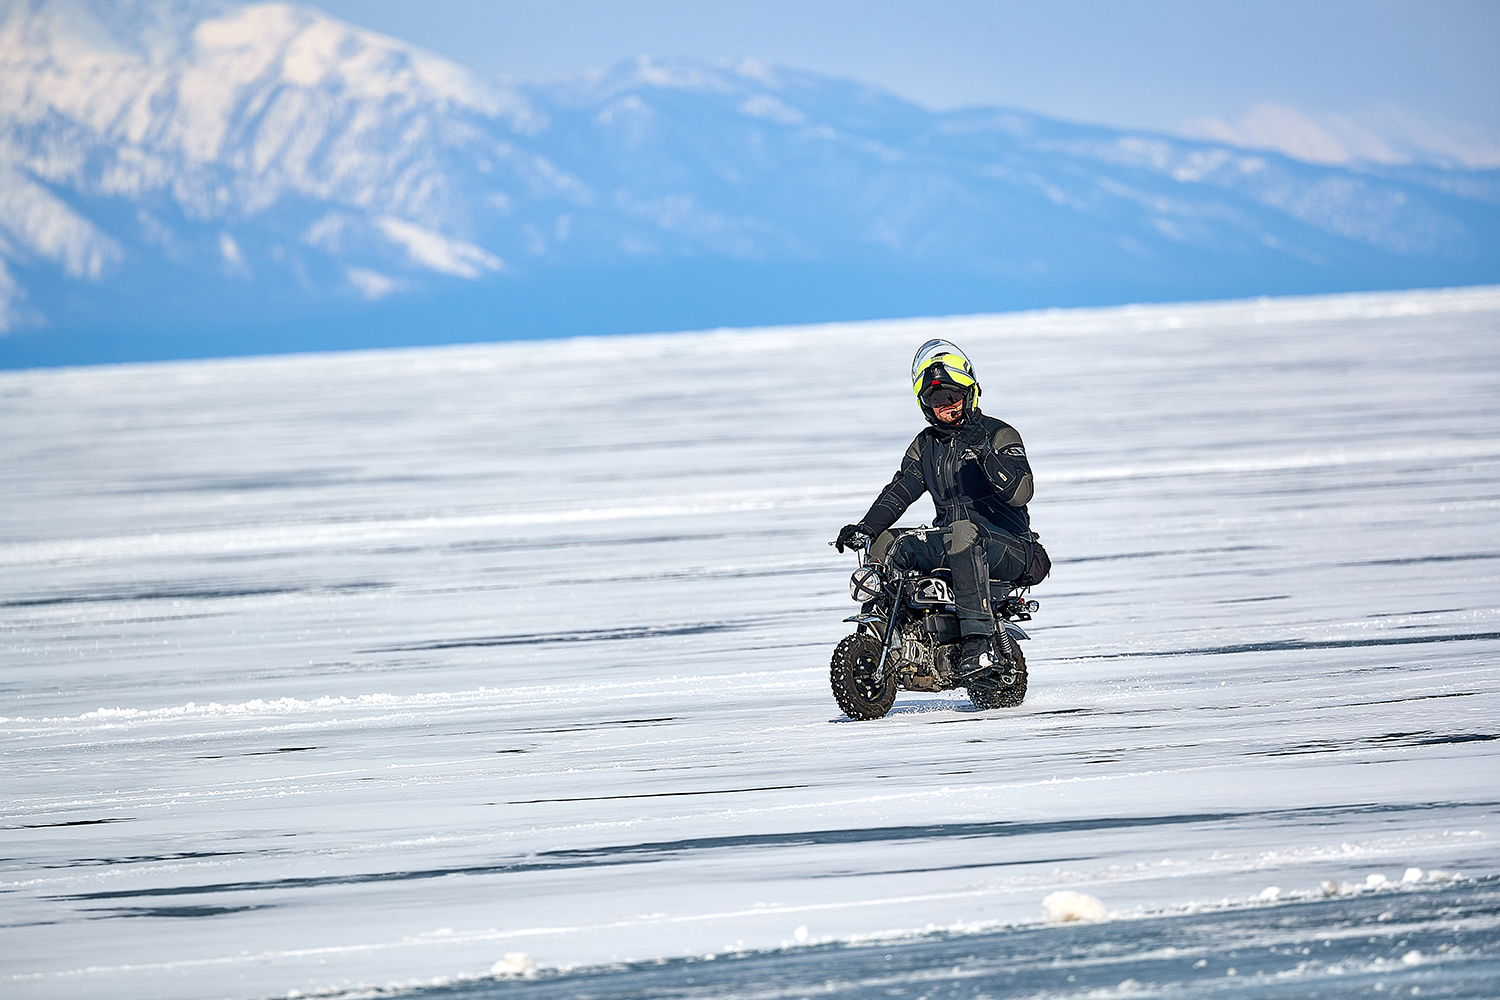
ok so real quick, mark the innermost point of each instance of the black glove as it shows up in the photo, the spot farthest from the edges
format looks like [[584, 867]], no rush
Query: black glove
[[974, 435], [853, 536]]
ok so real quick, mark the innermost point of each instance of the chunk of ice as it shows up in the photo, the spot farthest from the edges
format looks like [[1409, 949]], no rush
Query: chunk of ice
[[1068, 906], [515, 963]]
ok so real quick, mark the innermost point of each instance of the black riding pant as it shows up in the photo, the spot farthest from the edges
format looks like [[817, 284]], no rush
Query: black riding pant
[[974, 553]]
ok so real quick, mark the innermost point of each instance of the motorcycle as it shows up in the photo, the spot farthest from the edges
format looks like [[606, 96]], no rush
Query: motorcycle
[[907, 638]]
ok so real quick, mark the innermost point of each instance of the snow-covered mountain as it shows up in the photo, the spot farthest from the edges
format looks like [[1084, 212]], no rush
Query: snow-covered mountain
[[195, 177]]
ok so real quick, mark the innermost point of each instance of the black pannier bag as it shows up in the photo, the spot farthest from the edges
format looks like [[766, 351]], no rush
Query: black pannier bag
[[1038, 563]]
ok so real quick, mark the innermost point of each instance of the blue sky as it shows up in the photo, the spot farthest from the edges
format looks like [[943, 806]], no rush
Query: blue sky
[[1157, 64]]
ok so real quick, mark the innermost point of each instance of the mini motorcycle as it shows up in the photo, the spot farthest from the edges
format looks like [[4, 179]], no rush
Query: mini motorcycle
[[907, 639]]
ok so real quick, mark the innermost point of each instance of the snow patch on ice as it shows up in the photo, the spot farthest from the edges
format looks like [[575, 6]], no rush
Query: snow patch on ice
[[515, 964], [295, 535], [1068, 906], [393, 704]]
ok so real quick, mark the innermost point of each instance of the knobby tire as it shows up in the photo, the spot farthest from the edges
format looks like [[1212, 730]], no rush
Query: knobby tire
[[990, 690], [851, 675]]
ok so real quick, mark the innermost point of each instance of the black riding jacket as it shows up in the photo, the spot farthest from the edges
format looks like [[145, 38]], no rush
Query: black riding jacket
[[976, 470]]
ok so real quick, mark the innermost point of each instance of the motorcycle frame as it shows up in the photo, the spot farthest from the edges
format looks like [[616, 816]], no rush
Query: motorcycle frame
[[896, 587]]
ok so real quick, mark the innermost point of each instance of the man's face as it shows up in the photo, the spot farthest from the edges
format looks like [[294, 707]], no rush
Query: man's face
[[951, 413], [947, 404]]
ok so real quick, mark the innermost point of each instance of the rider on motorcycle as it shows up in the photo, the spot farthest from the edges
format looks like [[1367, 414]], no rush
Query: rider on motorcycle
[[976, 469]]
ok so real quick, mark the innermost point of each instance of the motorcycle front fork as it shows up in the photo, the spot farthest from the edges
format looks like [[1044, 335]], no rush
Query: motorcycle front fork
[[891, 632]]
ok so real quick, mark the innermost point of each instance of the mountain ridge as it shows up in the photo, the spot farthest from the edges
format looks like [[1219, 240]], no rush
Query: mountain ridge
[[200, 177]]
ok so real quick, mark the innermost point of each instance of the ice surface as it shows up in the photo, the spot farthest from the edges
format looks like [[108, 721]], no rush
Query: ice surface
[[1437, 941], [382, 667]]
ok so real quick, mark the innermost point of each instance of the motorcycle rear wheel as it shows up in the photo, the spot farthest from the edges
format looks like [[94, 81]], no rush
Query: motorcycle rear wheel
[[851, 674], [989, 690]]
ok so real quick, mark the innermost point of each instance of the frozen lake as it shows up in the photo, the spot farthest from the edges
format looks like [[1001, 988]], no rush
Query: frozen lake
[[367, 669]]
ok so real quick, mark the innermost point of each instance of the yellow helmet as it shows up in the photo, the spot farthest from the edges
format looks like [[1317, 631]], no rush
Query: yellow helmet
[[940, 369]]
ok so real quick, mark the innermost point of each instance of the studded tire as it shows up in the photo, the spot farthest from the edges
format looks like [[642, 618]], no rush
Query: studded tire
[[851, 674], [1000, 688]]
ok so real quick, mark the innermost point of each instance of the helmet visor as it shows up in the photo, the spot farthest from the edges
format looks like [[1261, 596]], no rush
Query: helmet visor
[[940, 396], [935, 350]]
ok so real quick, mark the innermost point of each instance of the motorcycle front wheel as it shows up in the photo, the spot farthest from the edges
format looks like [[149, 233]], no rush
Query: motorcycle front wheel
[[851, 674], [1000, 688]]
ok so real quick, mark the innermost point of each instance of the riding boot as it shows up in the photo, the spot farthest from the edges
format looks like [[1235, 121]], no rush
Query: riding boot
[[975, 654]]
